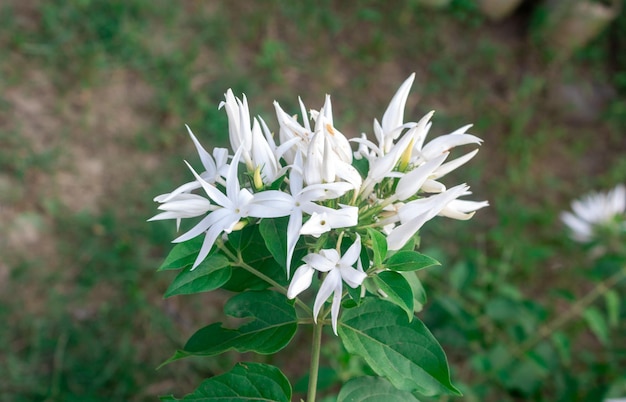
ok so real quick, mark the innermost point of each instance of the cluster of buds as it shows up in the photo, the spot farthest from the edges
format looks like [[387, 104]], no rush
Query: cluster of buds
[[330, 191]]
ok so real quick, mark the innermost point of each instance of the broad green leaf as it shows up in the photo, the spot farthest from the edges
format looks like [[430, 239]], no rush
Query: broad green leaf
[[612, 307], [245, 382], [409, 261], [379, 246], [212, 273], [373, 389], [255, 253], [273, 323], [597, 324], [274, 233], [397, 290], [404, 352], [326, 378], [182, 254]]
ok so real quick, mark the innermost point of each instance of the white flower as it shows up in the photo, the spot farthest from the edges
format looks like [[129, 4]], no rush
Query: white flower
[[414, 214], [323, 222], [596, 210], [303, 200], [339, 269], [238, 203]]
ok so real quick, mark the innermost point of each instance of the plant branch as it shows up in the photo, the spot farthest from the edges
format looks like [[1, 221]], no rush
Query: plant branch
[[574, 311], [315, 360], [239, 262]]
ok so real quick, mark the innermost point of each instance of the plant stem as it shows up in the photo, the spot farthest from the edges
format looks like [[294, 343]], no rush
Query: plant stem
[[315, 360], [238, 261], [574, 311]]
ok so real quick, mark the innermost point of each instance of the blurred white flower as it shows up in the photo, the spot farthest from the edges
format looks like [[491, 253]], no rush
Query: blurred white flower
[[595, 211]]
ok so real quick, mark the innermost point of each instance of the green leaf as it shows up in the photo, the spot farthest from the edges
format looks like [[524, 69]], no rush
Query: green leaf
[[419, 293], [597, 324], [182, 254], [397, 289], [409, 261], [274, 233], [404, 352], [373, 389], [245, 382], [255, 253], [612, 307], [379, 246], [212, 273], [273, 325]]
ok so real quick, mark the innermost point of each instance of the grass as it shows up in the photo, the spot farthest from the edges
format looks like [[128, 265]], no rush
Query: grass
[[94, 98]]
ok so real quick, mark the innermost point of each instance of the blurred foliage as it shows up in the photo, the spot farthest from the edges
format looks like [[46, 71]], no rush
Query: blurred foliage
[[82, 303]]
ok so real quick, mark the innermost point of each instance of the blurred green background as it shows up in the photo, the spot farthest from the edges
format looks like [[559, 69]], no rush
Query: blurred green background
[[94, 96]]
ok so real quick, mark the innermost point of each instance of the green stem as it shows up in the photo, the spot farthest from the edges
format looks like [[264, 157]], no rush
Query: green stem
[[239, 262], [576, 310], [315, 360]]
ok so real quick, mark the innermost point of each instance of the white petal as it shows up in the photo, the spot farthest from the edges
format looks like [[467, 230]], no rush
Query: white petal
[[316, 225], [453, 164], [293, 234], [411, 182], [205, 157], [331, 282], [352, 277], [211, 191], [211, 219], [301, 281], [270, 204], [352, 254], [394, 115], [334, 312], [447, 142], [399, 235], [320, 262]]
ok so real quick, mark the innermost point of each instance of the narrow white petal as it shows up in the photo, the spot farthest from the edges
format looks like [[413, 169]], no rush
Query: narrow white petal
[[211, 219], [211, 191], [353, 277], [394, 115], [352, 254], [399, 235], [270, 204], [447, 142], [205, 157], [412, 182], [293, 234], [334, 312], [301, 280], [207, 244], [453, 164], [328, 287], [232, 178], [319, 262]]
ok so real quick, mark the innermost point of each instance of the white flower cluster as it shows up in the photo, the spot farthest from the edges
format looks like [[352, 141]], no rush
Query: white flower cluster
[[309, 175], [597, 211]]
